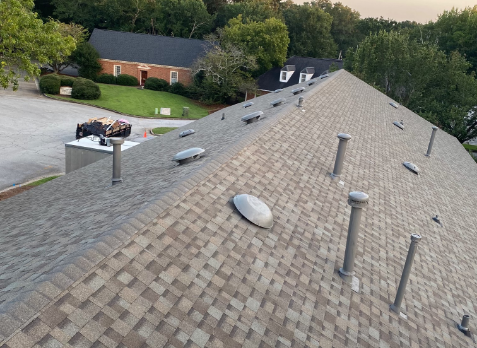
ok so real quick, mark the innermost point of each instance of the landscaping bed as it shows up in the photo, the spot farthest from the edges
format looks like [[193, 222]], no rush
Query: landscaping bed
[[162, 130], [15, 191]]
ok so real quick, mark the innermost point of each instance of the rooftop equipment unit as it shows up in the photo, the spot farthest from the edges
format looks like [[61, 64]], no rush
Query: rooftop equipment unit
[[278, 90], [253, 117], [246, 105], [412, 167], [254, 210], [398, 124], [186, 133], [394, 105], [311, 82], [278, 102], [188, 155], [298, 90]]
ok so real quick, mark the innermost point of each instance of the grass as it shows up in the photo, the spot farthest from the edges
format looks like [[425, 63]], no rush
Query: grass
[[142, 102], [163, 130], [42, 181], [470, 147]]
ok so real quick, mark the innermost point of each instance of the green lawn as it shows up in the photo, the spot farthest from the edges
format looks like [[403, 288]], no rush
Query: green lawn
[[42, 181], [163, 130], [142, 102], [470, 147]]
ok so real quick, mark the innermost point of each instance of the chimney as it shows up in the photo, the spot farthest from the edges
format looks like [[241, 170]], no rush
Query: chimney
[[300, 102], [117, 142], [396, 306], [340, 155], [357, 200], [431, 142]]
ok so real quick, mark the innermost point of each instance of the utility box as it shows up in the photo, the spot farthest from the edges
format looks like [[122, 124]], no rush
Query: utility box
[[80, 153]]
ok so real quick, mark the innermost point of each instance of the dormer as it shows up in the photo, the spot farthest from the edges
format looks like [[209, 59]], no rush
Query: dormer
[[286, 72], [306, 74]]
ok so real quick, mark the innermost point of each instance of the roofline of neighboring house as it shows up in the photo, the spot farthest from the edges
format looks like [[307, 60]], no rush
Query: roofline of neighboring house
[[154, 65], [128, 32]]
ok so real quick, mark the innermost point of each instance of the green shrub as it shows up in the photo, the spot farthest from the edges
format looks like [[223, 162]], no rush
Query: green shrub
[[178, 88], [67, 80], [85, 89], [155, 84], [126, 80], [109, 79], [50, 84]]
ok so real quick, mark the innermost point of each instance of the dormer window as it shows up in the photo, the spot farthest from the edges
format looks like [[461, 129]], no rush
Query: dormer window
[[306, 74], [286, 72]]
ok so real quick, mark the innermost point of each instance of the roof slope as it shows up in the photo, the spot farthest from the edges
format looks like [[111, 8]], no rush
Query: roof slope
[[146, 49], [190, 270], [270, 80]]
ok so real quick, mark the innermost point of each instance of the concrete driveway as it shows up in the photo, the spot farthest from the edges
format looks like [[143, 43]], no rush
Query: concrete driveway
[[34, 130]]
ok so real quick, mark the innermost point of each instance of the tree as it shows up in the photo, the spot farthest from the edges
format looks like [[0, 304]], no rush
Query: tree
[[267, 41], [87, 13], [75, 31], [87, 59], [251, 11], [422, 78], [225, 68], [24, 38], [309, 31]]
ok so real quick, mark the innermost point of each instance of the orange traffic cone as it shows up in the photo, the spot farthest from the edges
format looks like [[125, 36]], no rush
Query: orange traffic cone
[[145, 134]]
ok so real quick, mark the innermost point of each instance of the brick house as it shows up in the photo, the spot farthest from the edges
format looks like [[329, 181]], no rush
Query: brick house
[[143, 55]]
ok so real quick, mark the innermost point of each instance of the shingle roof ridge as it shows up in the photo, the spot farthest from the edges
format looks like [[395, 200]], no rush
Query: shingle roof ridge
[[149, 35], [17, 312]]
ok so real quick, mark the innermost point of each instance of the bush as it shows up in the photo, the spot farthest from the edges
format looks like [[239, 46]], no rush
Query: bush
[[126, 80], [50, 84], [67, 80], [85, 89], [86, 57], [109, 79], [178, 88], [155, 84]]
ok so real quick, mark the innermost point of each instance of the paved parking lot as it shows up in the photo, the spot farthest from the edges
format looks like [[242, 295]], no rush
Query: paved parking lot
[[34, 129]]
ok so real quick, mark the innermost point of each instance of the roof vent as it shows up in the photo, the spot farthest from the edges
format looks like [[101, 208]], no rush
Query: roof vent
[[246, 105], [412, 167], [278, 90], [311, 82], [188, 155], [436, 219], [254, 210], [186, 133], [394, 105], [298, 90], [278, 102], [253, 117], [398, 124], [223, 116], [464, 325], [324, 76]]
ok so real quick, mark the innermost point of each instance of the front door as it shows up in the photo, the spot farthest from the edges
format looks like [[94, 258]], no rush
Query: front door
[[143, 77]]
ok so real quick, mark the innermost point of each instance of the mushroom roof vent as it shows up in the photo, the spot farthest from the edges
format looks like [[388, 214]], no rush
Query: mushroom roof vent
[[188, 155], [253, 117], [324, 76], [394, 105], [412, 167], [186, 133], [278, 102], [298, 90], [278, 90], [246, 105], [311, 82], [254, 210], [398, 124]]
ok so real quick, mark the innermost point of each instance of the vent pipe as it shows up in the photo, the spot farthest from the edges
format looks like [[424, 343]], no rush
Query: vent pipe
[[340, 154], [300, 102], [117, 142], [223, 116], [357, 201], [464, 325], [431, 142], [396, 306]]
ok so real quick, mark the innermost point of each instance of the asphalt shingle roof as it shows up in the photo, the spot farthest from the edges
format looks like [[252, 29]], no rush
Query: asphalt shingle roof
[[270, 81], [165, 260], [147, 49]]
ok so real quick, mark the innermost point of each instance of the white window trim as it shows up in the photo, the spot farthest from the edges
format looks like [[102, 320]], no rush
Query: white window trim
[[177, 78], [114, 71], [305, 77], [289, 74]]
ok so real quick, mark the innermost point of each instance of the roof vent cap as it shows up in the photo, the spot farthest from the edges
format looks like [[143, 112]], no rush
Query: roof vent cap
[[254, 210], [253, 117], [298, 90], [358, 199], [311, 82], [278, 90], [394, 105], [278, 102], [412, 167], [186, 133], [324, 76], [246, 105], [398, 124], [188, 155]]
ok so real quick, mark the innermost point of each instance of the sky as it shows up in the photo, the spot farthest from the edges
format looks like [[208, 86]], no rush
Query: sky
[[420, 11]]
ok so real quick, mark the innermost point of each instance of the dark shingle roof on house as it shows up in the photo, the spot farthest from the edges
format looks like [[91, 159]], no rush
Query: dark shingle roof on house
[[147, 49], [270, 80], [165, 260]]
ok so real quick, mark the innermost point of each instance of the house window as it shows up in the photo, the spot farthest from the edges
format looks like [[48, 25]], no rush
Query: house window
[[284, 76], [174, 77], [302, 78], [117, 70]]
